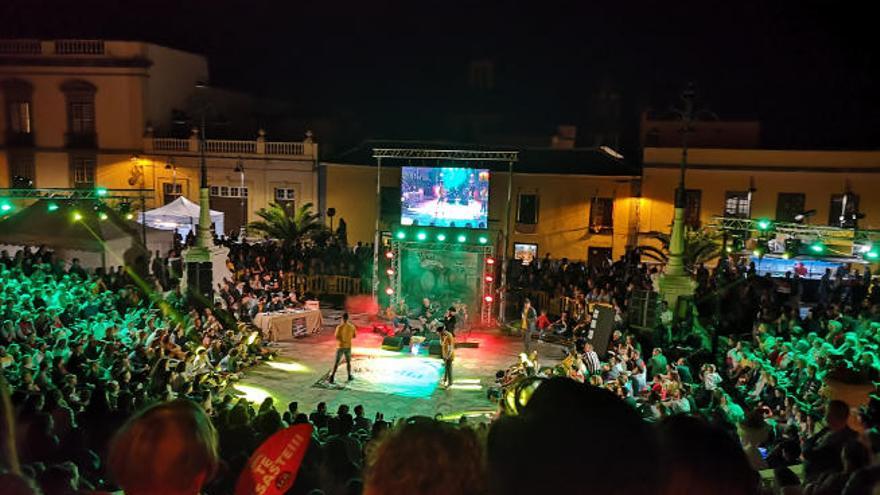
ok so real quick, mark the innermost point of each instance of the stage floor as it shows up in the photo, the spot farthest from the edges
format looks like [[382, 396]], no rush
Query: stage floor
[[397, 384]]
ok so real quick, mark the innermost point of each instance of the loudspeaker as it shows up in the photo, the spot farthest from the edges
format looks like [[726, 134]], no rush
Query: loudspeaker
[[643, 310], [198, 277], [600, 328], [392, 343]]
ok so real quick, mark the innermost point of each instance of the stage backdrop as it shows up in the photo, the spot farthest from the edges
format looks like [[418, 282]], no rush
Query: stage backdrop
[[444, 277]]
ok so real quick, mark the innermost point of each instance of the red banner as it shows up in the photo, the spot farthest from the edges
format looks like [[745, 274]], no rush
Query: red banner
[[273, 467]]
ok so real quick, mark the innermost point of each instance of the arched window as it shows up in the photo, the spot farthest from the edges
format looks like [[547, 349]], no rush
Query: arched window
[[80, 96]]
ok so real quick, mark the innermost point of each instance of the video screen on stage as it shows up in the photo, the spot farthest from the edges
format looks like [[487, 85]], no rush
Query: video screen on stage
[[445, 197]]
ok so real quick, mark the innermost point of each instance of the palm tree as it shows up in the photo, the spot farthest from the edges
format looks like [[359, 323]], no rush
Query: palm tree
[[288, 226], [699, 247]]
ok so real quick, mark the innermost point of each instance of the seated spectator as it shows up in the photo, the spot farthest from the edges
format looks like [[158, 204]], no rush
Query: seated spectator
[[168, 448], [426, 457]]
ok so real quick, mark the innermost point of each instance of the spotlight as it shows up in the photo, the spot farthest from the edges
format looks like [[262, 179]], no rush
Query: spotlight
[[52, 207], [129, 216], [817, 247], [5, 207], [77, 216], [764, 224], [101, 191], [488, 299], [490, 261], [390, 272], [102, 216], [729, 249], [389, 254], [421, 236], [489, 278], [872, 255], [758, 253], [786, 255], [462, 238], [483, 239], [389, 291], [401, 235], [441, 237]]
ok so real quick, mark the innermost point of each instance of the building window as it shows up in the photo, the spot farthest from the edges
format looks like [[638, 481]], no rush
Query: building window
[[18, 103], [284, 194], [22, 172], [692, 200], [737, 204], [171, 191], [83, 171], [527, 211], [840, 215], [789, 205], [80, 96], [601, 214], [228, 192]]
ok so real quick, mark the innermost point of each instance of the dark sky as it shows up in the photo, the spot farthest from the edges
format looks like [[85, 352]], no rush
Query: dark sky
[[807, 69]]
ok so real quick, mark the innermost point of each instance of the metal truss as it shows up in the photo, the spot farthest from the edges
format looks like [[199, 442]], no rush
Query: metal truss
[[75, 194], [797, 230], [435, 154]]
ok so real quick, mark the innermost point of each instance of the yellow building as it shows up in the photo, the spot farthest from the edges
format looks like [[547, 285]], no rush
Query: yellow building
[[88, 113], [755, 183], [572, 203]]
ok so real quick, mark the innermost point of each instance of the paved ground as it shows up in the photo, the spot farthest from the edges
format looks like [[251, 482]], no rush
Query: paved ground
[[397, 384]]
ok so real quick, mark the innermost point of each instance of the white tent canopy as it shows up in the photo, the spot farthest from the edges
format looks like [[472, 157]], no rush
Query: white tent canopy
[[181, 215]]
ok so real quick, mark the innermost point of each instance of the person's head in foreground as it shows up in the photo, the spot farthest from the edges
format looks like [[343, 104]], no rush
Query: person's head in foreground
[[168, 448], [589, 441], [427, 457]]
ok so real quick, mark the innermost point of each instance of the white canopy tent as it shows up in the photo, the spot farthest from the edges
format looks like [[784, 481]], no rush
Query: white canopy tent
[[181, 215]]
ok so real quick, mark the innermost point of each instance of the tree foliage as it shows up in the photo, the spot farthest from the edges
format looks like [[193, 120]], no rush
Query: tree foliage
[[699, 247]]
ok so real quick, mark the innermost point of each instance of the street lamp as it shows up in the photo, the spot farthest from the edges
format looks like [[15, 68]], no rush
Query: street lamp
[[136, 161], [239, 167]]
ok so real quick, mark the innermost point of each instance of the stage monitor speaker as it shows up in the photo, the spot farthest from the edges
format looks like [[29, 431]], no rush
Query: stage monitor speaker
[[198, 276], [392, 343], [600, 329]]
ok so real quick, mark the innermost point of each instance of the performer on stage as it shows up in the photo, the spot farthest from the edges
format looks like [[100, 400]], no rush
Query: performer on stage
[[447, 351], [529, 319], [450, 320], [345, 332]]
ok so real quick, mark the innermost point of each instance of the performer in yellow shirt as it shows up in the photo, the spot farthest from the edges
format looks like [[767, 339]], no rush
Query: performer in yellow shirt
[[447, 351], [345, 332]]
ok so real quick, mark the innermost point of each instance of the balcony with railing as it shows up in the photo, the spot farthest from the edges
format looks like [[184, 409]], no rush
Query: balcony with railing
[[302, 150], [72, 48]]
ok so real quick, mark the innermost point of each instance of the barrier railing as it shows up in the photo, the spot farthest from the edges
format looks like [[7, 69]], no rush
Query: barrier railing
[[323, 284]]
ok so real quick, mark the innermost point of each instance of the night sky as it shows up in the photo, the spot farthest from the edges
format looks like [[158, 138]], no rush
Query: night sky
[[807, 69]]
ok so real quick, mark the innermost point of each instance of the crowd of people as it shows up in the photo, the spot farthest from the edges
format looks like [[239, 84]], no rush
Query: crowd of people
[[106, 377]]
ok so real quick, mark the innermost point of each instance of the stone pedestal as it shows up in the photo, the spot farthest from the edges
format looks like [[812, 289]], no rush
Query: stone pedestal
[[673, 286], [205, 268]]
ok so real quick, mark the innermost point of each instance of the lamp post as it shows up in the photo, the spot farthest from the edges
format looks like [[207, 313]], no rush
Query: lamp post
[[676, 281], [239, 167], [136, 160]]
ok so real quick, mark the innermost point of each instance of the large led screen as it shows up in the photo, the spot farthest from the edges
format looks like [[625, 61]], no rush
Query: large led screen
[[445, 197]]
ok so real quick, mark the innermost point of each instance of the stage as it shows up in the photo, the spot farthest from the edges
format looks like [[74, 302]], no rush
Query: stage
[[397, 384]]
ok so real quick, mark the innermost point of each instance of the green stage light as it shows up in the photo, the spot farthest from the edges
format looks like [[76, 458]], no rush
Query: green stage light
[[729, 249], [441, 237], [401, 235], [786, 255], [129, 216], [872, 255], [101, 191], [817, 247], [53, 207], [462, 238], [5, 207], [77, 216], [421, 236], [764, 224], [102, 216], [483, 239]]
